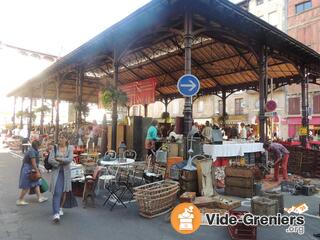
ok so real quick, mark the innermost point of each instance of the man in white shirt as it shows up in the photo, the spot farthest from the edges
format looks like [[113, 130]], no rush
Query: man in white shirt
[[207, 132], [243, 131], [25, 139]]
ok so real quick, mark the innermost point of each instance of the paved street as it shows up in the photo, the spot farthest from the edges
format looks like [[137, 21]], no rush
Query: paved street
[[34, 221]]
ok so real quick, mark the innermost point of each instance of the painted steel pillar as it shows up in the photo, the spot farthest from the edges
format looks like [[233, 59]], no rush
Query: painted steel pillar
[[21, 117], [52, 111], [262, 95], [114, 115], [80, 92], [188, 37], [104, 138], [166, 103], [146, 110], [42, 112], [14, 112], [304, 105], [30, 118], [224, 107], [56, 130]]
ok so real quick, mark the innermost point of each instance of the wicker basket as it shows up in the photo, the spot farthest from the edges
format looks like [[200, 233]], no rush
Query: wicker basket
[[156, 198]]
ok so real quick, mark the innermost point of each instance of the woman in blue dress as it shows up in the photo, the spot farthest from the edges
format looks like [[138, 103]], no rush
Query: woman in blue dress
[[60, 158], [30, 163]]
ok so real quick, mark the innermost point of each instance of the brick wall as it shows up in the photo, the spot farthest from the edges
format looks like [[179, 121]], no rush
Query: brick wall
[[305, 26]]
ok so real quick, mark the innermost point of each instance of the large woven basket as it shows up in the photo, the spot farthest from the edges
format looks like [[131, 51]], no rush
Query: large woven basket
[[156, 198]]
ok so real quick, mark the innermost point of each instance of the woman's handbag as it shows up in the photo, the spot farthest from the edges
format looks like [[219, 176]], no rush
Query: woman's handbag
[[35, 175], [71, 201], [44, 186]]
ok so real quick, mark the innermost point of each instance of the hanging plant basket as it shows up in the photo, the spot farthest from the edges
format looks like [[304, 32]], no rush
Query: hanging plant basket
[[165, 115], [111, 94]]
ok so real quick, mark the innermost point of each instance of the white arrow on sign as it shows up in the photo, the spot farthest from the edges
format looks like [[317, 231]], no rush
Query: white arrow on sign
[[191, 85]]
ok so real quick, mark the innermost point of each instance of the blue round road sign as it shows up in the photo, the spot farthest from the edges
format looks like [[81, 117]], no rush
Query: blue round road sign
[[188, 85]]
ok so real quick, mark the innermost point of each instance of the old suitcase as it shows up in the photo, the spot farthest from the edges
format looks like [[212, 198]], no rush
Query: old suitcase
[[240, 192], [239, 182], [187, 197], [239, 172]]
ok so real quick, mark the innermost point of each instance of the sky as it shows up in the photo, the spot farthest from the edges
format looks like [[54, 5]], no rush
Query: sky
[[58, 27], [50, 26]]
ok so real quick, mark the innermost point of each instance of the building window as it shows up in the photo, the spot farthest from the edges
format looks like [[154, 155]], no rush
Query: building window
[[176, 107], [316, 104], [135, 110], [220, 107], [301, 7], [200, 106], [294, 106], [259, 2], [238, 108]]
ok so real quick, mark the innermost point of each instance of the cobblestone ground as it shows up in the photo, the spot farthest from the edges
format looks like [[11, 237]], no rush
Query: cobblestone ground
[[33, 222]]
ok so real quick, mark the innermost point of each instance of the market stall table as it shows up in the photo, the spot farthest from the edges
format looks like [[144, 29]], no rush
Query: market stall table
[[95, 155], [231, 149], [113, 193]]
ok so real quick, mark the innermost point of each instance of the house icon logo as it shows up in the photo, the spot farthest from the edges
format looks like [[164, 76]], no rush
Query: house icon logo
[[186, 218]]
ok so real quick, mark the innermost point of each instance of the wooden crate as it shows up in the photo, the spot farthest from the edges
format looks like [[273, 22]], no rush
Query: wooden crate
[[239, 182], [239, 172], [239, 192]]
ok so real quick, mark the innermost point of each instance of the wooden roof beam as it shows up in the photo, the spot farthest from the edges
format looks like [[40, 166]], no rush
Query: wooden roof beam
[[159, 66], [197, 63]]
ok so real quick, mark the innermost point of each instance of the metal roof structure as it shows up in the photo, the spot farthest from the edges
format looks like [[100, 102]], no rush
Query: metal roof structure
[[150, 43]]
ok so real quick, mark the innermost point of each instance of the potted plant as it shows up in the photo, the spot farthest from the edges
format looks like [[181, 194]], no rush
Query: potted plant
[[111, 94], [84, 108], [166, 117], [222, 119]]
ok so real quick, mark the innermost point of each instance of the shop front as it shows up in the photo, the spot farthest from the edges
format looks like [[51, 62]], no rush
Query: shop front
[[294, 123]]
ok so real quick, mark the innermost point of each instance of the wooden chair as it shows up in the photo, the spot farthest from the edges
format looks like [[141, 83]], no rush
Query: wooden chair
[[90, 186]]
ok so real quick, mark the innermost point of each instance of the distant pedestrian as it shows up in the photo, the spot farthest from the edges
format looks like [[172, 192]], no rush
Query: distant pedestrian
[[25, 138], [60, 158], [30, 163]]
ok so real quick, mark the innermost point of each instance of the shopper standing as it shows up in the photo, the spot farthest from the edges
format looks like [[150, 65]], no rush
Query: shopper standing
[[281, 154], [152, 137], [30, 163], [60, 158], [207, 132]]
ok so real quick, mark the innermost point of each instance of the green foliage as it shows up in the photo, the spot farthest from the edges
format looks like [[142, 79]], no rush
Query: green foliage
[[26, 114], [19, 114], [84, 108], [112, 94], [44, 109], [222, 119], [165, 115]]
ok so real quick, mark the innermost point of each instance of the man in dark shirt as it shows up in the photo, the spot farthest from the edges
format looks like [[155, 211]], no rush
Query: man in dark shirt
[[280, 153]]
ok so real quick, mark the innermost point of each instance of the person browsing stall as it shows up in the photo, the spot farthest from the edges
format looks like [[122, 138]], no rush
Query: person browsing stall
[[60, 158], [243, 131], [281, 154], [207, 132], [152, 137]]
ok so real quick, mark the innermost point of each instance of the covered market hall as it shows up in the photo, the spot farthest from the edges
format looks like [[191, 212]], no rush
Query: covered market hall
[[227, 48]]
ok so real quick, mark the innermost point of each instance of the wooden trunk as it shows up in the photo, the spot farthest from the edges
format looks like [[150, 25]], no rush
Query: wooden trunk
[[239, 192]]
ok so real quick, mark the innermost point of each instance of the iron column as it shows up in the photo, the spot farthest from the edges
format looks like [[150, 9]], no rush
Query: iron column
[[114, 116], [262, 95], [56, 132], [188, 37]]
